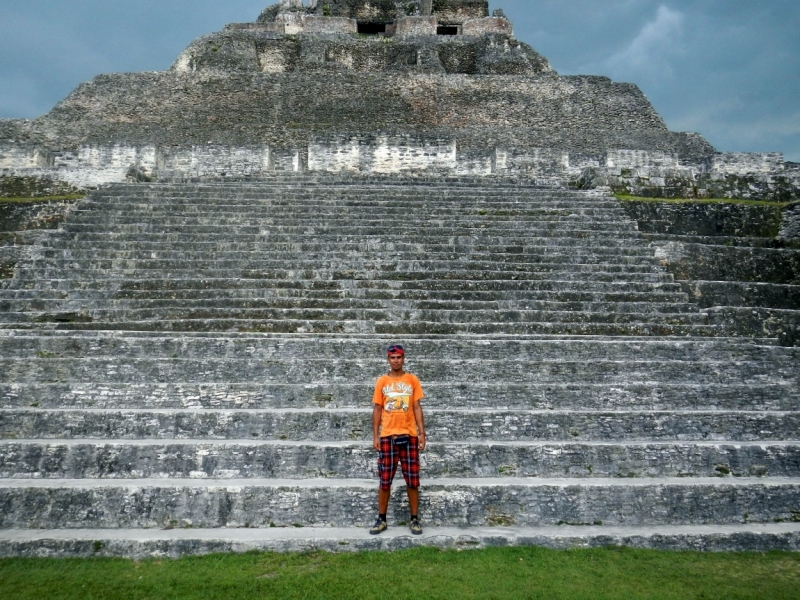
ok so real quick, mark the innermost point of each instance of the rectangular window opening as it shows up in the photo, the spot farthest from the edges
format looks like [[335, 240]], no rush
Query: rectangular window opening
[[447, 30], [371, 28]]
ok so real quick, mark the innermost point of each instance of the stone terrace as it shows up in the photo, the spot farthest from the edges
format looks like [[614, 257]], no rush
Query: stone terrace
[[188, 367]]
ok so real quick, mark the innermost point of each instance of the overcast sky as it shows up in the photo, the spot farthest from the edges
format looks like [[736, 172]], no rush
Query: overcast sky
[[728, 69]]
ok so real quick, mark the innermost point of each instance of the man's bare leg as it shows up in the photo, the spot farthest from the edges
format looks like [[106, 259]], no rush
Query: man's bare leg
[[413, 501], [383, 500]]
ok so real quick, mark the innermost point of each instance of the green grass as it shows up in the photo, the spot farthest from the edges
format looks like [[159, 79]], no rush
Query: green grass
[[626, 198], [419, 574], [42, 199]]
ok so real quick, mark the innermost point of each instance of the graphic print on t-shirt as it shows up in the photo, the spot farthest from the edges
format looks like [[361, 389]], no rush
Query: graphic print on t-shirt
[[397, 396]]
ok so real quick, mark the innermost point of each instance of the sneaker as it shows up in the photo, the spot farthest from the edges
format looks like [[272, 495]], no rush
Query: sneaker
[[415, 527], [379, 527]]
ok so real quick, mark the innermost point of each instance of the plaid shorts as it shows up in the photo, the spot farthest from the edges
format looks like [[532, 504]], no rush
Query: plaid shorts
[[390, 455]]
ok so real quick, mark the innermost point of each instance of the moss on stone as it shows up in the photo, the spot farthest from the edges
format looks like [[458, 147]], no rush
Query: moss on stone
[[628, 198]]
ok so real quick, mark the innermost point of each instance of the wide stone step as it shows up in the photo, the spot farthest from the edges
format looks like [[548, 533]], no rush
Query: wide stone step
[[363, 350], [47, 367], [622, 243], [279, 208], [355, 424], [153, 503], [372, 193], [136, 459], [740, 293], [107, 307], [416, 230], [39, 299], [459, 246], [80, 321], [164, 283], [326, 256], [779, 393], [138, 544], [590, 274], [271, 263], [388, 195], [353, 211], [254, 224], [577, 237]]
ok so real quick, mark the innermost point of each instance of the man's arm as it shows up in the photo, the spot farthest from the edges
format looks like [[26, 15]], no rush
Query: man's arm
[[377, 413], [418, 417]]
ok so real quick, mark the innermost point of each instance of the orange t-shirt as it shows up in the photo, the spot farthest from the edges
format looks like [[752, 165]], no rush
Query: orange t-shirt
[[397, 396]]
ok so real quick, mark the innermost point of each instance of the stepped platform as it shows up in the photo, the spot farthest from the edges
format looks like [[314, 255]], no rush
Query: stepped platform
[[188, 367]]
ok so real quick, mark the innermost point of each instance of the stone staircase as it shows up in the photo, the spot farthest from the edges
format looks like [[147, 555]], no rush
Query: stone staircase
[[188, 368]]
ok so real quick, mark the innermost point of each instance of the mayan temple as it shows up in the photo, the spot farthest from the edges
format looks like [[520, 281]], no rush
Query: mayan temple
[[189, 345]]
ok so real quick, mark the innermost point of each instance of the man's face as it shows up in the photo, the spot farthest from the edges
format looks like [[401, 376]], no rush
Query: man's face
[[396, 361]]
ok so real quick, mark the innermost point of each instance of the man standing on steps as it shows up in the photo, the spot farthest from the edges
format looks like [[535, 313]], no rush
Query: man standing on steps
[[398, 434]]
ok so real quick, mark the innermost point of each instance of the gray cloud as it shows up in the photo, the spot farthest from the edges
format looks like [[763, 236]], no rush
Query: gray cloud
[[729, 69]]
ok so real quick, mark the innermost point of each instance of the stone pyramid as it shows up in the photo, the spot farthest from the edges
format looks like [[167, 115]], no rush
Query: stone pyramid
[[188, 359]]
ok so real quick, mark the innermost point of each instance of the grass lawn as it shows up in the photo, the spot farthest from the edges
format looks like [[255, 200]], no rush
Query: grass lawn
[[414, 574]]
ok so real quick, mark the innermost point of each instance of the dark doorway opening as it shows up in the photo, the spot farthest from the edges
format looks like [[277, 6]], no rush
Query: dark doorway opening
[[371, 28], [447, 30]]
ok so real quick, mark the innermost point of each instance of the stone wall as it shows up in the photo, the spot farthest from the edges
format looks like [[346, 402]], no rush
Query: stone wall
[[240, 49], [487, 25], [459, 11], [413, 26], [705, 219], [693, 181], [24, 156], [728, 260], [448, 11], [89, 166], [34, 187], [381, 155], [213, 161], [487, 112], [635, 159], [751, 163], [18, 217], [790, 223]]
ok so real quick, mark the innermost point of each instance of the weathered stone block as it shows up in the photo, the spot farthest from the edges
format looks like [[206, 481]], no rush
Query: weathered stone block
[[741, 163], [415, 26], [487, 25]]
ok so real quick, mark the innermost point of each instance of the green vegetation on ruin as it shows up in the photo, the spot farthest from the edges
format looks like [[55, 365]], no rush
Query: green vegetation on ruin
[[67, 198], [627, 198], [420, 573]]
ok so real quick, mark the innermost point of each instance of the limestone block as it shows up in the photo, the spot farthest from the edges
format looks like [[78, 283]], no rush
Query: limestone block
[[632, 159], [398, 155], [458, 11], [292, 22], [215, 160], [537, 162], [475, 164], [413, 26], [23, 156], [790, 224], [487, 25], [335, 155], [289, 159], [746, 163], [315, 24], [254, 27]]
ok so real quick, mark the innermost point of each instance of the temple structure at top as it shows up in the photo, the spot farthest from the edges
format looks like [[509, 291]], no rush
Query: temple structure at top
[[453, 36], [388, 17]]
